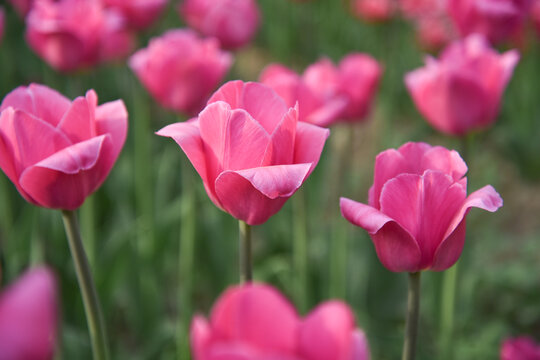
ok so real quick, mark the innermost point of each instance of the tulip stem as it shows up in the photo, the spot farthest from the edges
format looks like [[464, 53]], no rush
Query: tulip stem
[[413, 310], [94, 317], [245, 260]]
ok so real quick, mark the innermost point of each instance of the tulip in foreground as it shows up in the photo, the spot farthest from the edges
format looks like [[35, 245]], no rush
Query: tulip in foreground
[[461, 91], [180, 69], [57, 151], [28, 317], [256, 322], [249, 149], [233, 22], [520, 348], [417, 207]]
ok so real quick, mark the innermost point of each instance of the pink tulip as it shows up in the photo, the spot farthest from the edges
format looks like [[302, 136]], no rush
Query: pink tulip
[[55, 151], [180, 69], [415, 9], [249, 149], [498, 20], [233, 22], [139, 13], [434, 32], [417, 207], [22, 7], [461, 91], [535, 15], [74, 34], [520, 348], [2, 22], [373, 10], [28, 317], [255, 321], [326, 93]]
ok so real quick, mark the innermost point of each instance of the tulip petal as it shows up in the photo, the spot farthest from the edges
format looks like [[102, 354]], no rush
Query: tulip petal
[[450, 248], [325, 334], [396, 248], [258, 315], [449, 162], [309, 144], [112, 118], [328, 113], [280, 150], [200, 336], [253, 195], [78, 122], [360, 347]]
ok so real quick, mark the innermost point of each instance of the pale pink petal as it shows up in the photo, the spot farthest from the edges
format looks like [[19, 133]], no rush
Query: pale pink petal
[[447, 161], [78, 122], [200, 336], [360, 347], [309, 143], [388, 164], [328, 113], [280, 150]]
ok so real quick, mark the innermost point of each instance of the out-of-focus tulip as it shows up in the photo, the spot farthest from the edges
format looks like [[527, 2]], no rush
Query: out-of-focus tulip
[[461, 91], [233, 22], [417, 207], [249, 149], [255, 321], [373, 10], [414, 9], [73, 34], [56, 151], [139, 13], [326, 93], [498, 20], [520, 348], [28, 317], [180, 69], [434, 32], [22, 7], [2, 23], [535, 15]]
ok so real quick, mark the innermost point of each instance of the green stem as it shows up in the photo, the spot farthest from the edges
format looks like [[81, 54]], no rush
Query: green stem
[[448, 299], [413, 310], [245, 260], [92, 309], [88, 227], [300, 256]]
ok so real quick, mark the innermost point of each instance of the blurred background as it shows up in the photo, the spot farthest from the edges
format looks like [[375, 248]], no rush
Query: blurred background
[[132, 224]]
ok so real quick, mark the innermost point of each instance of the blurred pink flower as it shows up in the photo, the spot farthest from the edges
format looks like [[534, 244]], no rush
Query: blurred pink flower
[[2, 22], [520, 348], [414, 9], [498, 20], [249, 149], [434, 32], [535, 15], [417, 207], [56, 151], [28, 317], [139, 13], [74, 34], [180, 69], [461, 91], [373, 10], [325, 93], [255, 321], [22, 7], [233, 22]]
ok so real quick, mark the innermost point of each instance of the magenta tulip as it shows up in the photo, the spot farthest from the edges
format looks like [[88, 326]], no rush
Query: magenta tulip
[[249, 149], [255, 321], [417, 207], [55, 151], [2, 22], [498, 20], [520, 348], [233, 22], [140, 13], [74, 34], [461, 91], [325, 93], [180, 69], [28, 317]]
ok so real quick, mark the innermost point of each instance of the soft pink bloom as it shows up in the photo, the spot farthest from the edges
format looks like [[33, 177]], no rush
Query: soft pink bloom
[[417, 207], [373, 10], [434, 32], [139, 13], [326, 93], [56, 151], [22, 7], [520, 348], [28, 317], [461, 91], [180, 69], [415, 9], [498, 20], [233, 22], [249, 149], [74, 34], [255, 321]]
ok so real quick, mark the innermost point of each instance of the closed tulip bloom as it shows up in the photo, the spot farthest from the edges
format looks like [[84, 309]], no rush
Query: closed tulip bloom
[[28, 317], [56, 151], [233, 22], [417, 207], [498, 20], [249, 149], [520, 348], [181, 70], [255, 321], [74, 34], [461, 91], [139, 13]]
